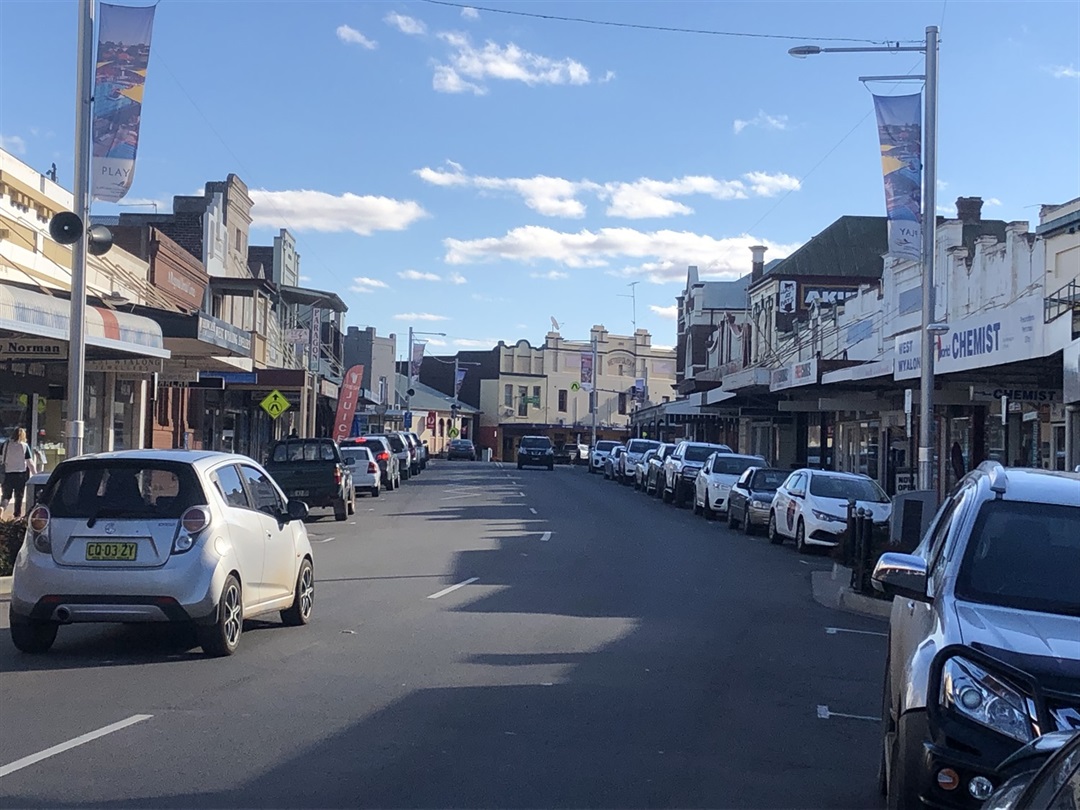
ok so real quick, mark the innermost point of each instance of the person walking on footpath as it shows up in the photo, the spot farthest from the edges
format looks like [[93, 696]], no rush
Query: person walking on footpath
[[19, 465]]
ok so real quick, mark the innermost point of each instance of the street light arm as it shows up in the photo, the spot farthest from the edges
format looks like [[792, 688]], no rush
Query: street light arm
[[802, 51]]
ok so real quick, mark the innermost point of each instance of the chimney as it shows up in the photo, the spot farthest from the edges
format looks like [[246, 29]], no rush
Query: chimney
[[969, 209], [758, 267]]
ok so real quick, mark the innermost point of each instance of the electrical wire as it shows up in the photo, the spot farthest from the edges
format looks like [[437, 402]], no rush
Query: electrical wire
[[664, 28]]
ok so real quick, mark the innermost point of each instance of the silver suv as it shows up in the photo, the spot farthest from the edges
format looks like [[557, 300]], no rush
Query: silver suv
[[984, 637], [681, 469]]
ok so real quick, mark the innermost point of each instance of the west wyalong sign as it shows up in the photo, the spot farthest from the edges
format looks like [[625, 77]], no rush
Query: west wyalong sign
[[33, 349]]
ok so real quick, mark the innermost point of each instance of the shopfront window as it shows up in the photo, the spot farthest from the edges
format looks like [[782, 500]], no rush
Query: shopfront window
[[124, 414], [94, 413]]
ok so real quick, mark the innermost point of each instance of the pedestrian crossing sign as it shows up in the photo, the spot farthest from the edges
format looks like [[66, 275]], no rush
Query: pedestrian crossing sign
[[275, 404], [454, 433], [575, 386]]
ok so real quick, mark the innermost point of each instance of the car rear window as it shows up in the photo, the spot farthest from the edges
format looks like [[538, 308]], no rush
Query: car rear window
[[768, 479], [303, 451], [462, 443], [606, 446], [359, 453], [699, 452], [116, 488], [1024, 556], [536, 442], [396, 442], [734, 465], [641, 445]]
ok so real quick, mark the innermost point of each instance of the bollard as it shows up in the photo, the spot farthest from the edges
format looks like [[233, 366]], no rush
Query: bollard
[[849, 536]]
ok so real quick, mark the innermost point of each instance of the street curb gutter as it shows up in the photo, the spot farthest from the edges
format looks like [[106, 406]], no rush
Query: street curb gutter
[[831, 589], [5, 586]]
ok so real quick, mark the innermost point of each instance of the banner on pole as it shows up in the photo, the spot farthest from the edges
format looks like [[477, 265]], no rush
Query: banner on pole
[[459, 377], [123, 54], [586, 371], [639, 389], [417, 359], [348, 396], [899, 122]]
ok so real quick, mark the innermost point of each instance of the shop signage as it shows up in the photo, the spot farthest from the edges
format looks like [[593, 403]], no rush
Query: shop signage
[[328, 388], [1034, 396], [232, 377], [1003, 335], [224, 335], [297, 337], [794, 375], [431, 420], [788, 296], [316, 338], [347, 401], [132, 365], [178, 375], [209, 383], [33, 349]]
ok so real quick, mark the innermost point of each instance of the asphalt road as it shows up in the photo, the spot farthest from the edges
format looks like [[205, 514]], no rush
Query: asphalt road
[[607, 651]]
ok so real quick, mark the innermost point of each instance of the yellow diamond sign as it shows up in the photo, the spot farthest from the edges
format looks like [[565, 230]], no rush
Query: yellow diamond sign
[[275, 404]]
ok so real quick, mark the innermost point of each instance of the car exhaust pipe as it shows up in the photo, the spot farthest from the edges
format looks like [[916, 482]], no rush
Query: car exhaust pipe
[[63, 615]]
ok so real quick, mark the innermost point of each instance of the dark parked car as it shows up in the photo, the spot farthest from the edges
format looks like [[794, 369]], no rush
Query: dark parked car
[[535, 451], [461, 449], [751, 497], [313, 471], [654, 473]]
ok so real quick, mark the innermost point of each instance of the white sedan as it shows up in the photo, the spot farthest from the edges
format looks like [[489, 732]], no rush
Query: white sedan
[[365, 470], [811, 507], [715, 480]]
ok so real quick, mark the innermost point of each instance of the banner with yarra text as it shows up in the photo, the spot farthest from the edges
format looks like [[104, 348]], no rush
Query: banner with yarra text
[[899, 120]]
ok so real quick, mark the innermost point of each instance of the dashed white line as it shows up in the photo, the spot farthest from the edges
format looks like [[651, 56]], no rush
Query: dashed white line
[[832, 631], [327, 540], [823, 713], [545, 537], [453, 588], [532, 510], [25, 762], [462, 495], [521, 494]]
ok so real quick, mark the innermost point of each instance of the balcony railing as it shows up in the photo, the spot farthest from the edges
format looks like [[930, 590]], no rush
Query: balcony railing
[[1067, 299]]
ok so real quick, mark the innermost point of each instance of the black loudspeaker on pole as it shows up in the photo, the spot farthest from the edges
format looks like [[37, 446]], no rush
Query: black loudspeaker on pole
[[66, 229]]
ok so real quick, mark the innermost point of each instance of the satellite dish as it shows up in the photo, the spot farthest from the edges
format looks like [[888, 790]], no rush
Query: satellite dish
[[66, 228], [554, 323]]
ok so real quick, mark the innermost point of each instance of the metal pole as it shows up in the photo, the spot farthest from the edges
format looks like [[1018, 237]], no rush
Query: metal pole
[[595, 393], [84, 84], [408, 360], [929, 224]]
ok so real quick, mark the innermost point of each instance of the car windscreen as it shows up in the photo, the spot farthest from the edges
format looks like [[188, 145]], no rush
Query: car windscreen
[[733, 465], [699, 452], [158, 490], [768, 479], [303, 451], [397, 443], [536, 442], [606, 446], [1024, 556], [641, 445], [833, 486]]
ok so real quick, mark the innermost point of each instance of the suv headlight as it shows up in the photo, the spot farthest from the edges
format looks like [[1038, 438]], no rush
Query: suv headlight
[[976, 694], [827, 518]]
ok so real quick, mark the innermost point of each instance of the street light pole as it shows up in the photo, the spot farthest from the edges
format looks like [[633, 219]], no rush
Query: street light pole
[[595, 393], [929, 233], [84, 84]]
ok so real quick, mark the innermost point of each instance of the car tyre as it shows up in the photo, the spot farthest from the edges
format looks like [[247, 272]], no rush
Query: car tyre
[[732, 523], [904, 766], [679, 495], [223, 636], [747, 525], [33, 637], [299, 612], [667, 497], [551, 468], [887, 731], [375, 492], [698, 508], [341, 510], [350, 507], [775, 537], [800, 538]]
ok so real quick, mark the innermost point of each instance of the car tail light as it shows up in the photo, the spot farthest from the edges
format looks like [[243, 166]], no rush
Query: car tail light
[[337, 475], [372, 467], [38, 520], [192, 522], [383, 456]]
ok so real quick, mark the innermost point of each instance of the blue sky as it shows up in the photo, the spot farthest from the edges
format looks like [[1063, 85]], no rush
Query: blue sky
[[478, 173]]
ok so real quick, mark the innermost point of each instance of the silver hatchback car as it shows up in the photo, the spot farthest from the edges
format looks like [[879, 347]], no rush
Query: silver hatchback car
[[161, 536]]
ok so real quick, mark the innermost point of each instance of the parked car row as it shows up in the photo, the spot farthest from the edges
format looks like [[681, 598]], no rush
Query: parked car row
[[384, 460]]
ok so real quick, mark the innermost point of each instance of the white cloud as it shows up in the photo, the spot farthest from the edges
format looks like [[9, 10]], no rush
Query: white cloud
[[993, 201], [363, 284], [470, 13], [305, 210], [405, 24], [305, 278], [419, 316], [471, 343], [351, 36], [457, 278], [946, 210], [667, 252], [551, 275], [764, 184], [13, 144], [416, 275], [493, 61], [433, 341], [762, 120], [1064, 72], [662, 347], [670, 313], [641, 199], [607, 77]]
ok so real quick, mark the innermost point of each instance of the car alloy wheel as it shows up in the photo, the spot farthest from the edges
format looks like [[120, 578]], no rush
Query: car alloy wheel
[[223, 636], [299, 613], [774, 536], [747, 525], [800, 538]]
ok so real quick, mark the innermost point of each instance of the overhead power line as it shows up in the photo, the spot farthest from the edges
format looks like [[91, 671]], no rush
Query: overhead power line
[[666, 28]]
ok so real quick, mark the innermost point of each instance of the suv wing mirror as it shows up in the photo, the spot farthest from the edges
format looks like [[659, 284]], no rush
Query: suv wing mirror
[[901, 575]]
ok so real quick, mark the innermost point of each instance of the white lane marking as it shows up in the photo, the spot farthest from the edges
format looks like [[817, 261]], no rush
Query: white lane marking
[[327, 540], [453, 588], [463, 495], [25, 762], [823, 713], [545, 537], [532, 510], [832, 631], [521, 494]]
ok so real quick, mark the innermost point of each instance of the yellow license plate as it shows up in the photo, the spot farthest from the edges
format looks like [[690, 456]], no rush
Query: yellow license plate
[[111, 552]]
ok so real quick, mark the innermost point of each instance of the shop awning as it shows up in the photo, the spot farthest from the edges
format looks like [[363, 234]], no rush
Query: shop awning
[[30, 313], [863, 371], [200, 335]]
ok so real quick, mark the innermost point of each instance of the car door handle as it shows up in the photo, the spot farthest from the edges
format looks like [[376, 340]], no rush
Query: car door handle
[[911, 607]]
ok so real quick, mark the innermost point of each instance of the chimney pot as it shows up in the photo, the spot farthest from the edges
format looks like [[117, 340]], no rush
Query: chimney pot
[[969, 209], [757, 268]]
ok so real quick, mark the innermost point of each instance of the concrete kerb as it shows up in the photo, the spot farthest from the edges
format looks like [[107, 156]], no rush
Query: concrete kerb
[[5, 587], [832, 589]]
